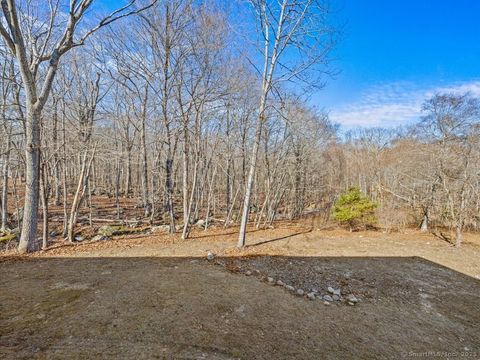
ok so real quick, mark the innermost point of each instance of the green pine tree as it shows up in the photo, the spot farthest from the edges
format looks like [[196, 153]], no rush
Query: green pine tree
[[354, 209]]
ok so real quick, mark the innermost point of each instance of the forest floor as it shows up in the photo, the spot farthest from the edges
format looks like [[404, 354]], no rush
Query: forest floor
[[155, 296]]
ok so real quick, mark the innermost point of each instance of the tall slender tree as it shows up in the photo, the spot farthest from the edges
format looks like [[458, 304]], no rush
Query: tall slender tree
[[38, 62]]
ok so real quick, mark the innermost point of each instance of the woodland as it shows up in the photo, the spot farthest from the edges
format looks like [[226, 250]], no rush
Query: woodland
[[173, 185], [198, 117]]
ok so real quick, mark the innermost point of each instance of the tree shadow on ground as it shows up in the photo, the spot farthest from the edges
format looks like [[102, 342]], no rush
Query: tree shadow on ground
[[262, 242], [440, 235]]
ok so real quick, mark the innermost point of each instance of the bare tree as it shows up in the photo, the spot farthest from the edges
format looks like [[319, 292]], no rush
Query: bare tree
[[450, 124], [38, 62], [296, 39]]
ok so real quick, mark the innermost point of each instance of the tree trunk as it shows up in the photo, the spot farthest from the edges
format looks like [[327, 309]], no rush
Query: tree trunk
[[5, 187], [209, 199], [169, 190], [228, 175], [251, 176], [425, 221], [65, 192], [230, 211], [186, 204], [460, 219], [458, 235], [298, 201], [186, 225], [32, 162], [90, 209], [117, 189], [56, 169], [79, 194], [128, 176], [146, 201], [17, 200], [44, 200]]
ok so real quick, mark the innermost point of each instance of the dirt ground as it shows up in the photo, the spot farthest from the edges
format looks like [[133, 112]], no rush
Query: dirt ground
[[156, 296]]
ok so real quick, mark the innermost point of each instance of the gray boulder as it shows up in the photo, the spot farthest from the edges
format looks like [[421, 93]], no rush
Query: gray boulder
[[352, 298], [200, 223], [100, 238], [160, 228], [327, 298]]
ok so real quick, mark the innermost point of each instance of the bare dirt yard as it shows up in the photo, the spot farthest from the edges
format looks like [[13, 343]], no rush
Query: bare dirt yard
[[156, 296]]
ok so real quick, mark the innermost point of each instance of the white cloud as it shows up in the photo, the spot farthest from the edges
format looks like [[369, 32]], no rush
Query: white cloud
[[389, 105]]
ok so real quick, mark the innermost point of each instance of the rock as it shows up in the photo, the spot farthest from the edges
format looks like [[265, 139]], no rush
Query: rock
[[248, 273], [100, 238], [351, 303], [337, 292], [280, 283], [331, 290], [210, 256], [300, 292], [311, 295], [327, 298], [240, 310], [79, 238], [160, 228], [200, 223], [270, 280], [335, 297], [326, 303], [110, 230], [352, 298], [289, 288]]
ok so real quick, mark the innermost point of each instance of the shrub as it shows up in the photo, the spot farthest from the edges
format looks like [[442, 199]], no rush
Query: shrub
[[354, 209]]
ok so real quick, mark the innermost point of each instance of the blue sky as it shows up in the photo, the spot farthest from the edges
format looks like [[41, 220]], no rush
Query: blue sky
[[397, 53], [394, 55]]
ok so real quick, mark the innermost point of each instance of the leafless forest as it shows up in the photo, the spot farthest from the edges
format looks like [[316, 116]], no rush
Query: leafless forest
[[198, 117], [202, 179]]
